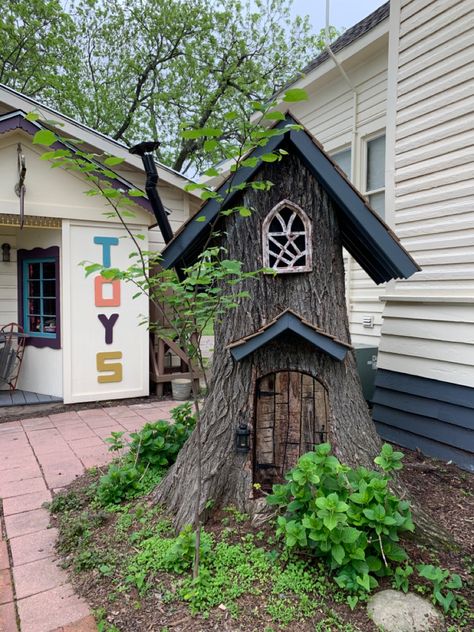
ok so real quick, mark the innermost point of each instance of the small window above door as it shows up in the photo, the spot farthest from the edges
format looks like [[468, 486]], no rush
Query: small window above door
[[286, 237]]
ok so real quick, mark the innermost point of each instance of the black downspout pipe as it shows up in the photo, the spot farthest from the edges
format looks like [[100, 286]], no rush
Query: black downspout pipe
[[144, 150]]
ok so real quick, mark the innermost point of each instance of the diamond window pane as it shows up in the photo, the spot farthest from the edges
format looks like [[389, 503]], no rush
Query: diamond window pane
[[376, 164], [343, 160]]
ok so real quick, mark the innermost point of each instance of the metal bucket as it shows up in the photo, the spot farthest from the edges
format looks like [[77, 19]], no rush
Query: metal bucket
[[181, 389]]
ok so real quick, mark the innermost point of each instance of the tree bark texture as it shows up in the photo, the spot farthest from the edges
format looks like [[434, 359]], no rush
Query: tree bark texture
[[317, 296]]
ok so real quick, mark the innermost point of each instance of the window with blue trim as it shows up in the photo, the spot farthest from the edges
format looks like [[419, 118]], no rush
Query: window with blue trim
[[39, 297]]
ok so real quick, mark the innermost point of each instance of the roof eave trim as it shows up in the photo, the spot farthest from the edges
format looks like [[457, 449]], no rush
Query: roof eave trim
[[289, 323], [17, 120]]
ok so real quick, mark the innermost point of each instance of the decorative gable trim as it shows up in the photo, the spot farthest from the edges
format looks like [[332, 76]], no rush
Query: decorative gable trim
[[287, 247], [289, 322]]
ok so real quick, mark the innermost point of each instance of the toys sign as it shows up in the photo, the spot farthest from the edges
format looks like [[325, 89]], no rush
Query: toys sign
[[107, 294]]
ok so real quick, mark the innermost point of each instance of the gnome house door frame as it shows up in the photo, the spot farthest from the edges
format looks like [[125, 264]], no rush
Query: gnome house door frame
[[291, 418]]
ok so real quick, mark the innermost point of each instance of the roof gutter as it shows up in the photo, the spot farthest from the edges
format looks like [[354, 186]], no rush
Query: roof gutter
[[144, 150]]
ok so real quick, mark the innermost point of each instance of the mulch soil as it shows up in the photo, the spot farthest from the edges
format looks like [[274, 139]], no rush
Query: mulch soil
[[443, 490]]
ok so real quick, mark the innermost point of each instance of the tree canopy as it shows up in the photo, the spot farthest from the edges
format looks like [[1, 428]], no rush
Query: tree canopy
[[148, 68]]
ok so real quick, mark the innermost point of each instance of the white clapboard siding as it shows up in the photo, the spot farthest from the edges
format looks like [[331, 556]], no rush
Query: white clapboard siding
[[328, 114], [434, 160], [8, 279], [428, 325]]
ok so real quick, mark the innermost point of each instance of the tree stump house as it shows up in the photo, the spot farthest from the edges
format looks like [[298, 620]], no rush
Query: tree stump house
[[283, 363]]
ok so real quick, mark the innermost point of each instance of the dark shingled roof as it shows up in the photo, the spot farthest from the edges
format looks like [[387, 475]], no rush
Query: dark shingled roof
[[289, 322], [349, 36], [364, 234]]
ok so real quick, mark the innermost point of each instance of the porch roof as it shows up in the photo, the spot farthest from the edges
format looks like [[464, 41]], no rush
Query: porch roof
[[18, 120]]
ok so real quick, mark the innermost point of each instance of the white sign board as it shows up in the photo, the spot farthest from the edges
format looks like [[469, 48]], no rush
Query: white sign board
[[105, 346]]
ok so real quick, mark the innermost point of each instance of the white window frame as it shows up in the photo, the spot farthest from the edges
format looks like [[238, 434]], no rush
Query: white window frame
[[365, 164], [308, 252]]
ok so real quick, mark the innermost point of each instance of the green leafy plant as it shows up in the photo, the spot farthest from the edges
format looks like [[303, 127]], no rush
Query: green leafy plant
[[151, 451], [347, 516], [65, 502], [400, 580], [444, 583]]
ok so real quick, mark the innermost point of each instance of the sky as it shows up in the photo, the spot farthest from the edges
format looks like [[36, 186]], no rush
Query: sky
[[342, 13]]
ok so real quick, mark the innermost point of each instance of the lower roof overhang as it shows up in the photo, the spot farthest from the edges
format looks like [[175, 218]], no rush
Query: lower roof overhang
[[289, 322]]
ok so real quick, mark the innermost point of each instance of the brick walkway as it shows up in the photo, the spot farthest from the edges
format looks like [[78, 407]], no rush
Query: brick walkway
[[37, 457]]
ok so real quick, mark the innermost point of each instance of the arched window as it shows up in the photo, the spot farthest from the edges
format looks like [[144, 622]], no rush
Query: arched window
[[286, 236]]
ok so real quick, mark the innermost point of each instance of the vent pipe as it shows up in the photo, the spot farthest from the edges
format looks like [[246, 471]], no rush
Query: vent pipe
[[145, 150]]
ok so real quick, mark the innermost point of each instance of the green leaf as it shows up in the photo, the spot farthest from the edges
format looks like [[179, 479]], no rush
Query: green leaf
[[135, 193], [270, 157], [245, 212], [454, 582], [44, 137], [295, 94], [338, 553], [352, 601], [350, 535], [212, 171], [32, 116], [210, 145], [230, 116], [201, 218], [111, 161], [276, 115], [193, 134]]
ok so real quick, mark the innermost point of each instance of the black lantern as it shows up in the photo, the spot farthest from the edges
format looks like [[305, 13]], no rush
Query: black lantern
[[242, 438], [6, 252]]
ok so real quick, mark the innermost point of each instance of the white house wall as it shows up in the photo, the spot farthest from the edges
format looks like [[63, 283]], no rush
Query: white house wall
[[8, 279], [425, 383], [329, 115], [433, 210], [42, 369]]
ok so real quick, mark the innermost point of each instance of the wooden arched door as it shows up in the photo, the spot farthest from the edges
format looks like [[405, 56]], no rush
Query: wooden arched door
[[291, 418]]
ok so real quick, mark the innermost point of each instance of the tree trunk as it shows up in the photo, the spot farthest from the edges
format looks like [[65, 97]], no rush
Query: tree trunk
[[318, 297]]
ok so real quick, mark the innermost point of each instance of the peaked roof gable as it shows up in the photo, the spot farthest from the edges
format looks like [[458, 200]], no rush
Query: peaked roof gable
[[289, 322], [364, 234], [17, 120], [15, 100]]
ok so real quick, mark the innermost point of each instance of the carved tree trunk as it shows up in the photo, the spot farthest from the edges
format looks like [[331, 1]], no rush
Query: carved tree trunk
[[318, 297]]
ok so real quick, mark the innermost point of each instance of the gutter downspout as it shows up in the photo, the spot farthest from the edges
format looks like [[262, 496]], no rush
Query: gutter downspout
[[144, 151], [355, 100], [354, 135]]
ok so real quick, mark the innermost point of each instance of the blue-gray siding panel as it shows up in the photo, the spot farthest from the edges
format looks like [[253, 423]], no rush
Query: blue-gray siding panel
[[442, 411], [431, 389], [436, 417], [449, 434]]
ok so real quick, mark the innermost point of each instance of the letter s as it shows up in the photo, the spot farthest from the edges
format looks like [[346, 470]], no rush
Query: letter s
[[114, 368]]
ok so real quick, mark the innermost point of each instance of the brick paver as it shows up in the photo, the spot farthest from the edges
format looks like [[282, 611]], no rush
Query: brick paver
[[38, 456]]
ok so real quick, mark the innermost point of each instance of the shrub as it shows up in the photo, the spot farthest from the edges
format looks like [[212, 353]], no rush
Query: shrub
[[347, 516], [152, 450]]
